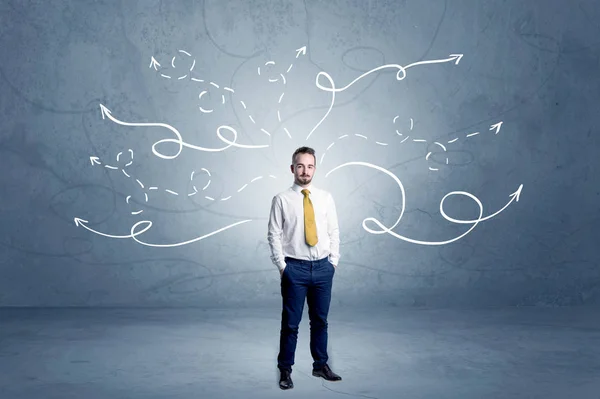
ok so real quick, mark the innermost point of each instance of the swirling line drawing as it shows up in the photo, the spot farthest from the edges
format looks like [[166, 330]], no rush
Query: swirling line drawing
[[143, 226], [400, 75], [514, 197], [155, 64]]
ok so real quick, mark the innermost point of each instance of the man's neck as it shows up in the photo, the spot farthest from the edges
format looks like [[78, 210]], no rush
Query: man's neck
[[303, 185]]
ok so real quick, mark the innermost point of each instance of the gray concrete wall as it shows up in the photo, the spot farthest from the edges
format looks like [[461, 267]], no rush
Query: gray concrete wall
[[532, 65]]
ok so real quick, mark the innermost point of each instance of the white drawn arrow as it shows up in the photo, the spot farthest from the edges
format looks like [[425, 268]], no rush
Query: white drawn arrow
[[96, 160], [515, 196], [400, 75], [301, 50], [133, 234], [106, 113], [83, 223], [453, 57], [496, 126], [154, 63]]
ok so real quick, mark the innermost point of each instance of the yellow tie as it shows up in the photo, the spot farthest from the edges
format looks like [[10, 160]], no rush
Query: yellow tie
[[310, 227]]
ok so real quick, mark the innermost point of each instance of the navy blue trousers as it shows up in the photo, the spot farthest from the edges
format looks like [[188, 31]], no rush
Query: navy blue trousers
[[310, 281]]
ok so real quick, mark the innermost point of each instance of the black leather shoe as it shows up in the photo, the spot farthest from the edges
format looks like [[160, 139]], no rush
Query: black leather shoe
[[285, 380], [326, 373]]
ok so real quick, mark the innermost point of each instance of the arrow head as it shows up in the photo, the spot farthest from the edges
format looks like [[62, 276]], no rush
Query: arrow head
[[517, 193], [458, 57], [496, 126], [95, 160], [79, 221], [153, 63], [301, 50], [105, 111]]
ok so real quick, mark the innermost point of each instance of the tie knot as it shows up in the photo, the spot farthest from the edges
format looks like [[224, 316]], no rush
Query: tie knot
[[305, 192]]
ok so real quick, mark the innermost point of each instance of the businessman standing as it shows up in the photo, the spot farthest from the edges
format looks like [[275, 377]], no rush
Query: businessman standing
[[303, 237]]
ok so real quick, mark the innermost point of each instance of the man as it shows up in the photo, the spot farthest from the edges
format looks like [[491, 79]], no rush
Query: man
[[304, 240]]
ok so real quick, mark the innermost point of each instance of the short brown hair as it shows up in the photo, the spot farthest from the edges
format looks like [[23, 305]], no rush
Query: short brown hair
[[304, 150]]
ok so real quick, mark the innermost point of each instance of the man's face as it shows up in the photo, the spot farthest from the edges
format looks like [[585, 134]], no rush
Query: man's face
[[303, 169]]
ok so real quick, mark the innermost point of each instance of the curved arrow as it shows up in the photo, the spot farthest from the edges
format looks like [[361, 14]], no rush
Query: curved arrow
[[83, 223], [106, 113], [133, 234], [401, 69], [515, 196], [400, 75]]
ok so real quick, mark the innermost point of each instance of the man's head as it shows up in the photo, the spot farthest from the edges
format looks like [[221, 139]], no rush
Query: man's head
[[304, 164]]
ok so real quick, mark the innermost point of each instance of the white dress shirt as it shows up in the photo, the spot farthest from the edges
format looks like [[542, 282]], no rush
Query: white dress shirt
[[286, 226]]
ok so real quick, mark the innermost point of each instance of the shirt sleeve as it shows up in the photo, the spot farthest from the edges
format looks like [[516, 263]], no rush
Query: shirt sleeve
[[275, 232], [334, 232]]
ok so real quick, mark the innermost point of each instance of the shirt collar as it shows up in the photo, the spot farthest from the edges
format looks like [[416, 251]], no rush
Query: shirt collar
[[299, 189]]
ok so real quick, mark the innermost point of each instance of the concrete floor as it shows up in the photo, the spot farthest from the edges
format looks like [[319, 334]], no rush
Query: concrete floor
[[380, 353]]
